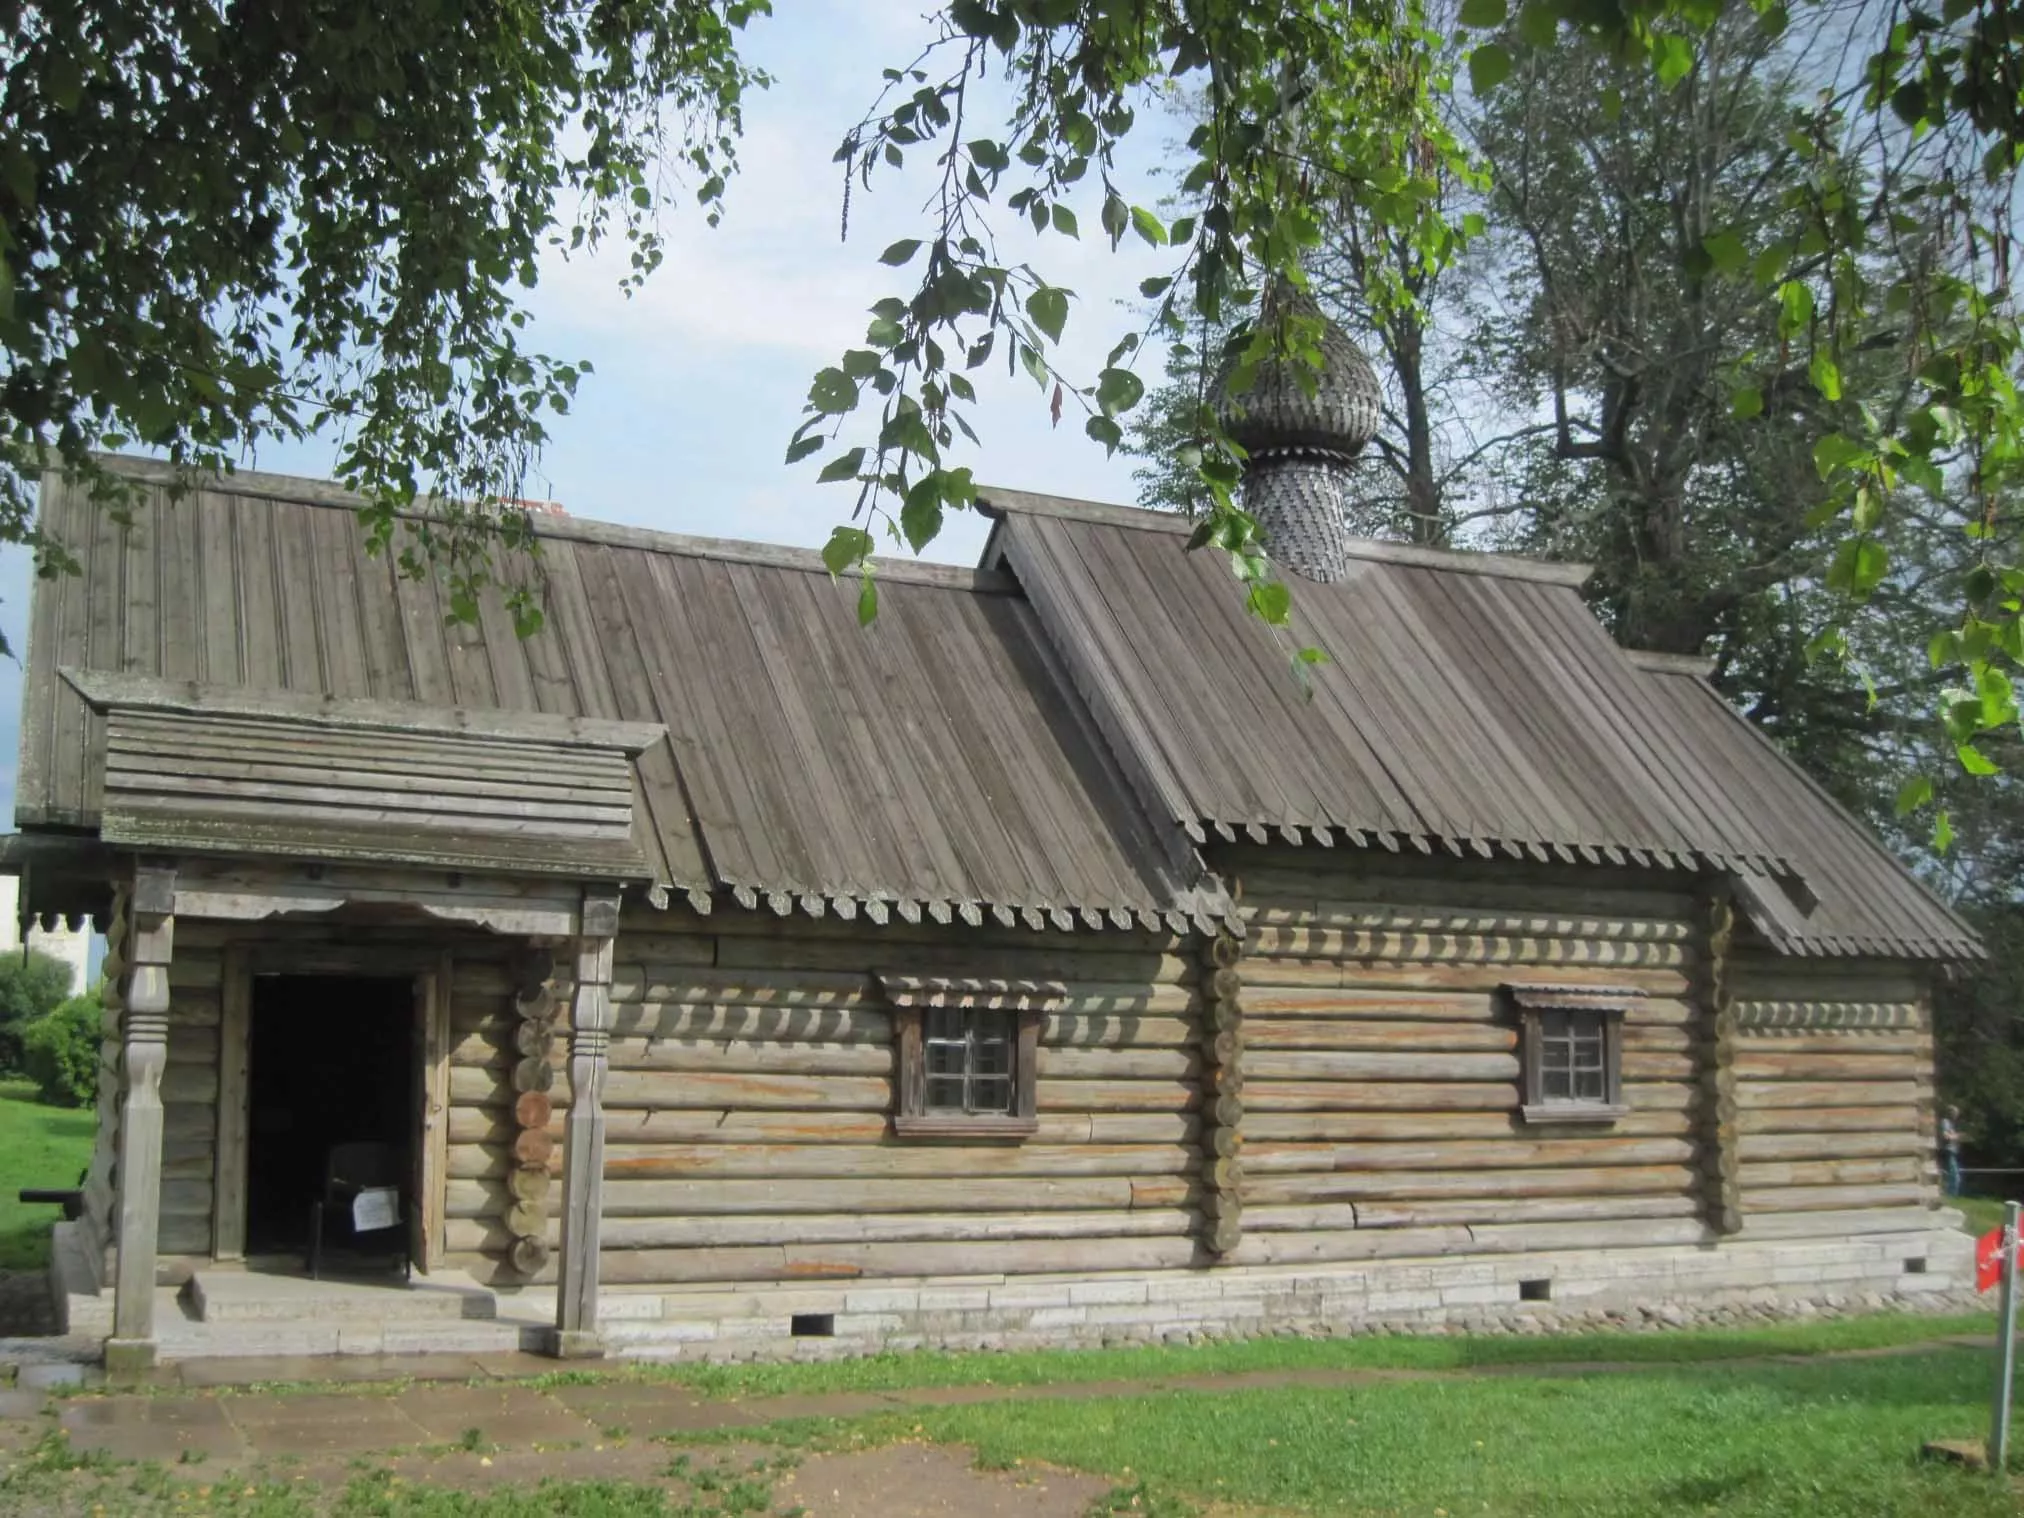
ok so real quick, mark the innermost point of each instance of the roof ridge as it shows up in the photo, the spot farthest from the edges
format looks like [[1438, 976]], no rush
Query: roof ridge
[[997, 502], [305, 490]]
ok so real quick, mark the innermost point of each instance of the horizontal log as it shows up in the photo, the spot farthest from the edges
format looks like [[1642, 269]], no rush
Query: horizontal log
[[1318, 1065], [1352, 923], [1758, 979], [1795, 1120], [1316, 1247], [194, 1007], [1772, 1174], [1477, 1213], [1877, 1093], [474, 1235], [664, 1089], [678, 1198], [1640, 1065], [195, 1083], [1355, 1186], [1511, 1152], [1283, 1033], [1067, 1064], [1837, 1224], [486, 1125], [843, 1262], [1388, 975], [1477, 948], [1826, 1198], [1379, 1096], [1405, 1004], [1846, 1041], [945, 1160], [1755, 1063], [1907, 1140], [1634, 1233]]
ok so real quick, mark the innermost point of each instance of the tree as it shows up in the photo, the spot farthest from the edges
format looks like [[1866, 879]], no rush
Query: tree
[[61, 1051], [31, 986], [222, 224]]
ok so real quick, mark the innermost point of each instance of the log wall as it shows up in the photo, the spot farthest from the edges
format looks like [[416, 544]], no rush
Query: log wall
[[750, 1108], [1382, 1075], [1834, 1091]]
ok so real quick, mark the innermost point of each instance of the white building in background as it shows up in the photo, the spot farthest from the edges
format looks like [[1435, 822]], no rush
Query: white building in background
[[72, 947]]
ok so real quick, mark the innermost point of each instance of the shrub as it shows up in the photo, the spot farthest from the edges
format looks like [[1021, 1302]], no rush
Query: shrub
[[31, 987], [61, 1052]]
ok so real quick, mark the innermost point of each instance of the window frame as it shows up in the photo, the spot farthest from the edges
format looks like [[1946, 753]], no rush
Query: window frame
[[911, 998], [1609, 1005]]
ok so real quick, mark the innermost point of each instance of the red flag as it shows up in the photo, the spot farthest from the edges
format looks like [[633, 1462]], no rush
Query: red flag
[[1989, 1259]]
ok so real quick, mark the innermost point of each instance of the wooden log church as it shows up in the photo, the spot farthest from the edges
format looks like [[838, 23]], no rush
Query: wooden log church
[[705, 974]]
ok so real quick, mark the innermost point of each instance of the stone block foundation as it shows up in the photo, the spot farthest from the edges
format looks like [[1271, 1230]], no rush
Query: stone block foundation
[[1528, 1293]]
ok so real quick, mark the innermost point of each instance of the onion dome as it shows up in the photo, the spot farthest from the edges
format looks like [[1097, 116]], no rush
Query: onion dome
[[1302, 430], [1278, 411]]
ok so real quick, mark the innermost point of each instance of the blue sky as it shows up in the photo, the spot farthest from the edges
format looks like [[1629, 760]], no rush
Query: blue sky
[[700, 380]]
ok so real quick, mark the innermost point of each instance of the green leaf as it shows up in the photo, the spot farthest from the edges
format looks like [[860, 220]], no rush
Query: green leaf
[[1118, 390], [1672, 58], [1859, 566], [901, 251], [801, 447], [1489, 66], [1837, 451], [867, 602], [846, 546], [1746, 402], [833, 392], [1725, 251], [1064, 220], [1973, 760], [1048, 306], [1271, 602], [1913, 794], [1795, 302], [1148, 226], [1943, 832], [1484, 15], [921, 513], [1538, 23], [844, 466], [1105, 431], [1826, 374]]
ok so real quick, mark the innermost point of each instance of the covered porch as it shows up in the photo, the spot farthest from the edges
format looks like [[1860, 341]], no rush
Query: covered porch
[[320, 917]]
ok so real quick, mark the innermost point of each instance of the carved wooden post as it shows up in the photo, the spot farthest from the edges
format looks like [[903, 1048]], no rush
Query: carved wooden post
[[583, 1130], [1222, 1048], [145, 1041], [1722, 1197]]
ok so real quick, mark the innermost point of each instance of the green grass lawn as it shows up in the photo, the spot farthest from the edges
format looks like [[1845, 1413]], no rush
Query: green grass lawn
[[1980, 1213], [39, 1146], [1825, 1440]]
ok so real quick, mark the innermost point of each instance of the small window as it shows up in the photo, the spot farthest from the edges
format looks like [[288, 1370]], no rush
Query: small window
[[970, 1059], [968, 1055], [1572, 1052]]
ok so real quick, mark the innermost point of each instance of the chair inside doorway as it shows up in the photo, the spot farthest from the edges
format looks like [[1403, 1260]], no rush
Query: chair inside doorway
[[333, 1116]]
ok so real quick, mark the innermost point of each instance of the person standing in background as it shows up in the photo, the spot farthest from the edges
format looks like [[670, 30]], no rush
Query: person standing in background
[[1950, 1150]]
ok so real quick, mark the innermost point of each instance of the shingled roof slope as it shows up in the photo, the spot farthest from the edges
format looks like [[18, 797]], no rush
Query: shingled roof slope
[[931, 765], [1471, 705]]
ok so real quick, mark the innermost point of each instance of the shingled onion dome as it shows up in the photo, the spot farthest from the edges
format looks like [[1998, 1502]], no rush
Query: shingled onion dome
[[1303, 446]]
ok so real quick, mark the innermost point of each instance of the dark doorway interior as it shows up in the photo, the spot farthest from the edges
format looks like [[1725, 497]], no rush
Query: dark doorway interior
[[332, 1063]]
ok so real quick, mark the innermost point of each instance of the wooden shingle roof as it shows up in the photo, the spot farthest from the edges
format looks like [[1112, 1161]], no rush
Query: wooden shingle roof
[[931, 766], [1471, 705]]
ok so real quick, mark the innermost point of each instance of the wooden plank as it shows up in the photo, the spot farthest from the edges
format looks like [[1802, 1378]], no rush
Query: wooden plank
[[1831, 1198], [1902, 1140], [1261, 1033], [435, 993], [1770, 1175], [1841, 1094], [1803, 1120], [235, 1051], [1754, 1062], [1317, 1065], [684, 1198]]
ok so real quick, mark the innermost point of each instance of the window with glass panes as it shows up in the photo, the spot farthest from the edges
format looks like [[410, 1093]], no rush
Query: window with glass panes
[[1572, 1039], [969, 1055]]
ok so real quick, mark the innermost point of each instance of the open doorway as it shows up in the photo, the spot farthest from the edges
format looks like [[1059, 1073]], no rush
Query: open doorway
[[333, 1062]]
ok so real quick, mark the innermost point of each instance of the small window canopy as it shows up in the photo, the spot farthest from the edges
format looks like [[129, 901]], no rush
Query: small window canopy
[[196, 769], [969, 1054]]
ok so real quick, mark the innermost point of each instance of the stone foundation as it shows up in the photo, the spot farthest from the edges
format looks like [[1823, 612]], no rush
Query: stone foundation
[[1674, 1286]]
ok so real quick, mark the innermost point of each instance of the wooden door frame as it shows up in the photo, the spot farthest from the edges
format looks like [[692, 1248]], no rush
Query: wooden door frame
[[429, 970]]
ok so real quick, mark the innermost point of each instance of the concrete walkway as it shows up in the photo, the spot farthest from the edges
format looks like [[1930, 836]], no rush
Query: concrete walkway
[[483, 1400]]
